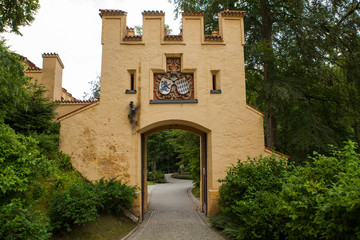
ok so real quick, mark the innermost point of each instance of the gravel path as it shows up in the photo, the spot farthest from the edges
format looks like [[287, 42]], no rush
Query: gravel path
[[173, 214]]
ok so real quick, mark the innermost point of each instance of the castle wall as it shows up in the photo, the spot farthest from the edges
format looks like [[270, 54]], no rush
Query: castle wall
[[103, 142]]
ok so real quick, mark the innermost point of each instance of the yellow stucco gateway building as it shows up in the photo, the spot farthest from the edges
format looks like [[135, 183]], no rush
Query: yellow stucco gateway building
[[156, 81]]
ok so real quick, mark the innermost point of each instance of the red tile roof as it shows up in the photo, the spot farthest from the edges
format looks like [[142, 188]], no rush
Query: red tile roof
[[133, 38], [90, 103], [173, 37], [262, 113], [193, 13], [74, 101], [111, 12], [153, 13], [277, 152], [31, 65], [233, 13], [213, 38]]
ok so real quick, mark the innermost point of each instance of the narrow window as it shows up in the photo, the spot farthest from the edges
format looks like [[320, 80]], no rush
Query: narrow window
[[132, 81], [215, 81], [132, 84]]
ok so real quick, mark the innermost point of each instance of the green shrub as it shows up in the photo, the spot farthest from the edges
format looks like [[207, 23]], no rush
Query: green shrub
[[73, 205], [82, 202], [114, 196], [265, 199], [322, 199], [249, 199], [20, 222], [156, 177], [20, 162]]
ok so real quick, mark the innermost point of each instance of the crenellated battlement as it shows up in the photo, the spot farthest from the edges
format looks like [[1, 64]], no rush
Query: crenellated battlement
[[115, 30]]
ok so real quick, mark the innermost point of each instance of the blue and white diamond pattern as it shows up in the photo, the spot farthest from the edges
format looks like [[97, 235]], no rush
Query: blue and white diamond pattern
[[182, 86]]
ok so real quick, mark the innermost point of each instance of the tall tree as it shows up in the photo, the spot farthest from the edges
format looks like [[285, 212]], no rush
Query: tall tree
[[94, 90], [12, 81], [263, 29], [301, 59], [15, 13]]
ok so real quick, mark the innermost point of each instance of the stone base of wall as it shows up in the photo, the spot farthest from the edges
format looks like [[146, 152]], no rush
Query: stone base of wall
[[213, 205]]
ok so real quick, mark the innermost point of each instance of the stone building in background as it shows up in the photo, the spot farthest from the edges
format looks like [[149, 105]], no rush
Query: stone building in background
[[153, 82]]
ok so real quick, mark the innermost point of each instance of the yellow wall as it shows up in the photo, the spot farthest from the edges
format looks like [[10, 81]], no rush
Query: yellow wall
[[100, 138], [51, 78]]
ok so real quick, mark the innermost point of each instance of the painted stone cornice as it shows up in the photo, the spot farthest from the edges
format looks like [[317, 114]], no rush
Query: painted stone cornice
[[111, 12], [173, 37], [74, 101], [198, 13], [213, 38], [133, 38], [153, 13], [233, 13], [50, 55]]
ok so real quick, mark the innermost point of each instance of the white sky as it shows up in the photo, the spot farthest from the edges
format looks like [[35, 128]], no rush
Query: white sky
[[72, 29]]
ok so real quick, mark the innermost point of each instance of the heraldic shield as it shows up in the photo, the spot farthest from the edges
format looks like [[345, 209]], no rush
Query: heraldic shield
[[173, 85], [182, 86], [165, 86]]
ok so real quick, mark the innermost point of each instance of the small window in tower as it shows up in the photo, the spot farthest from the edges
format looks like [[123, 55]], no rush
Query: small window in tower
[[132, 82], [215, 83]]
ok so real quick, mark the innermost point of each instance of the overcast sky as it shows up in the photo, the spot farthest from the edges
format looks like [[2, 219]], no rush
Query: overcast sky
[[72, 29]]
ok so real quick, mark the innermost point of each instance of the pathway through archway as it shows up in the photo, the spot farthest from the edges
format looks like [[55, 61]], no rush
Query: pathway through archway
[[173, 214]]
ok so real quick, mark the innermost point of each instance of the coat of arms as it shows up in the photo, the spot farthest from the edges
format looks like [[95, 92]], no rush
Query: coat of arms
[[173, 85]]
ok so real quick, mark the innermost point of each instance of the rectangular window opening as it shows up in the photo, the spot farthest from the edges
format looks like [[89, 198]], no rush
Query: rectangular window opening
[[215, 81], [132, 81], [132, 84]]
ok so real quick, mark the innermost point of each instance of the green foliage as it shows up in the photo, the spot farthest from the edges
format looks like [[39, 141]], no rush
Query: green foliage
[[82, 202], [181, 176], [22, 105], [114, 196], [174, 150], [189, 154], [300, 60], [73, 205], [20, 163], [94, 90], [17, 13], [20, 222], [156, 177], [248, 196], [12, 80], [139, 29], [34, 114], [162, 151], [322, 199], [265, 199]]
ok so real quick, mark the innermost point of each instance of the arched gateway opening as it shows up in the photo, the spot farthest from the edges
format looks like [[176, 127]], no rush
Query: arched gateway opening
[[156, 81], [204, 152]]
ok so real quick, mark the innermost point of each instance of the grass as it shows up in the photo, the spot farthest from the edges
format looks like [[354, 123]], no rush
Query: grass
[[106, 227], [181, 176], [196, 192], [151, 183]]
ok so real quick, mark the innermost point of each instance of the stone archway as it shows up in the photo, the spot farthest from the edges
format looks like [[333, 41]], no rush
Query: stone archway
[[156, 81], [204, 151]]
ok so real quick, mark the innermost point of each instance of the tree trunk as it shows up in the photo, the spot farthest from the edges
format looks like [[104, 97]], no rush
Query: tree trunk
[[356, 130], [266, 31], [153, 166], [271, 130]]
